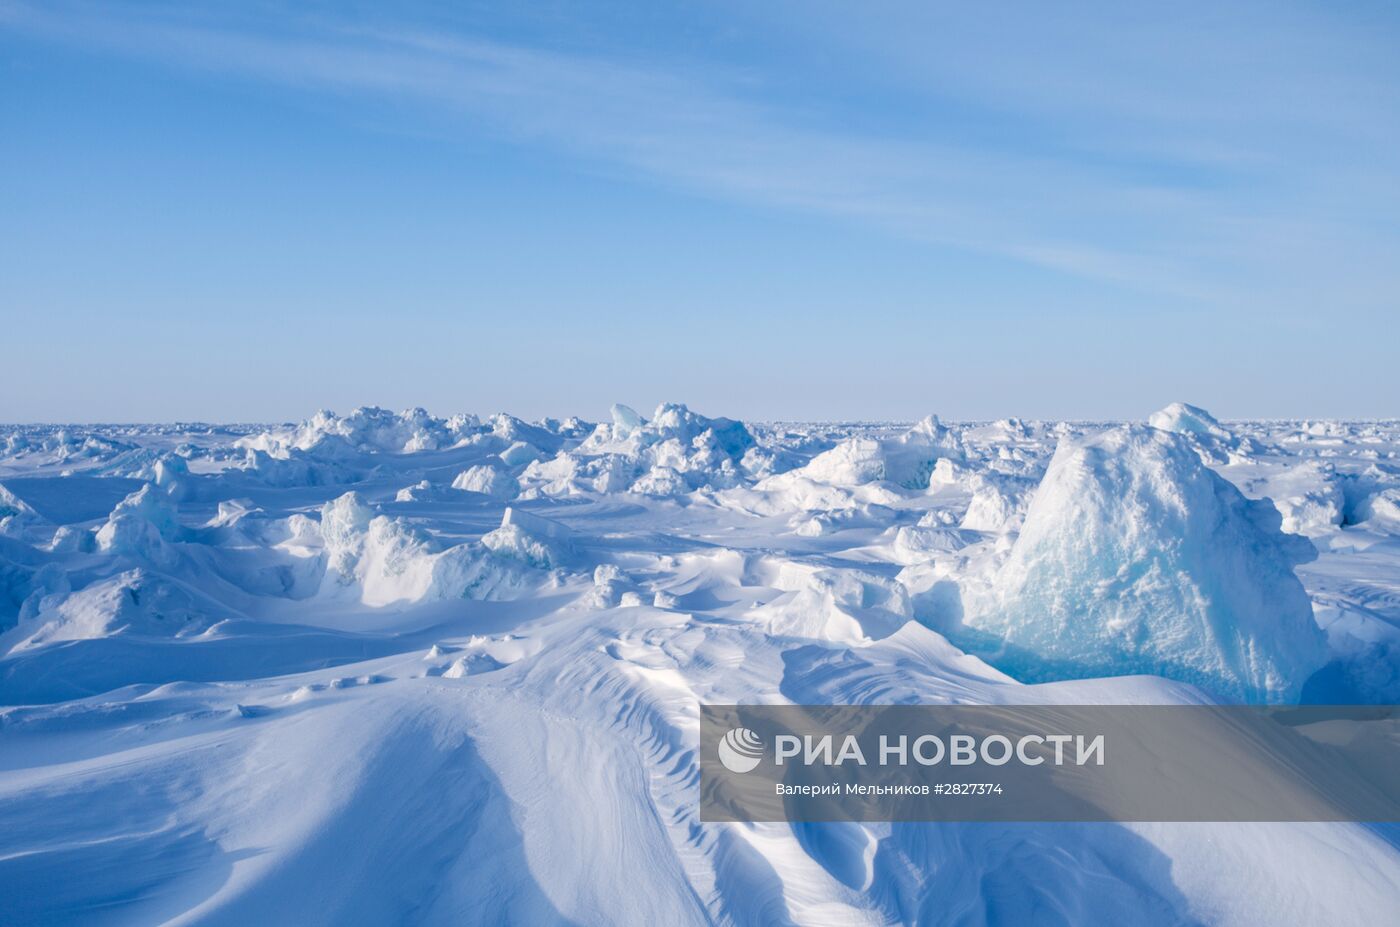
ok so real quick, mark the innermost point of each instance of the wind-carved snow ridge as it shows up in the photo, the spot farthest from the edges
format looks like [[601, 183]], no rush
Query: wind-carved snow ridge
[[490, 637], [1136, 558]]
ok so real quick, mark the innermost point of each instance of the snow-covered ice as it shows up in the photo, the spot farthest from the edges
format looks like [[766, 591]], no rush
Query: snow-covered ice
[[390, 667], [1137, 558]]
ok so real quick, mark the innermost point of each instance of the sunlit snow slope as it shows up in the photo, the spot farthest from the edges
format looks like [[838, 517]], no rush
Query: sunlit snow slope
[[390, 668]]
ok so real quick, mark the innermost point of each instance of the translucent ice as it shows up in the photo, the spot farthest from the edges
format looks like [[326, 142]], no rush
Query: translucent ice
[[1136, 558]]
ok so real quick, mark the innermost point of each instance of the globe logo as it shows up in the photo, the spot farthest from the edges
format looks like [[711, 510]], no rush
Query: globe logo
[[740, 750]]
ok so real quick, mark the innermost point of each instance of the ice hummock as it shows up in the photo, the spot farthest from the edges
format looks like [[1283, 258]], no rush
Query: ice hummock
[[1215, 443], [906, 460], [140, 527], [488, 479], [132, 602], [381, 560], [1136, 558], [1187, 419], [14, 512], [675, 452]]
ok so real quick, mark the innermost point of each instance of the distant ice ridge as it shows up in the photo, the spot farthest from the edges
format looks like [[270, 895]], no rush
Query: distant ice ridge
[[328, 449], [41, 446], [367, 428], [1136, 558], [675, 452]]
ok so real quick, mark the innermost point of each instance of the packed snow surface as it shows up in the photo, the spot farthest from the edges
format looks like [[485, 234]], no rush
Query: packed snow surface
[[395, 668]]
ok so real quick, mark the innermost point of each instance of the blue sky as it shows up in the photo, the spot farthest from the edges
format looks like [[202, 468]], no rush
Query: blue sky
[[769, 210]]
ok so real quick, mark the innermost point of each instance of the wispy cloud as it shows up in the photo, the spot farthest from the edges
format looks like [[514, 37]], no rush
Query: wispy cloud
[[715, 135]]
